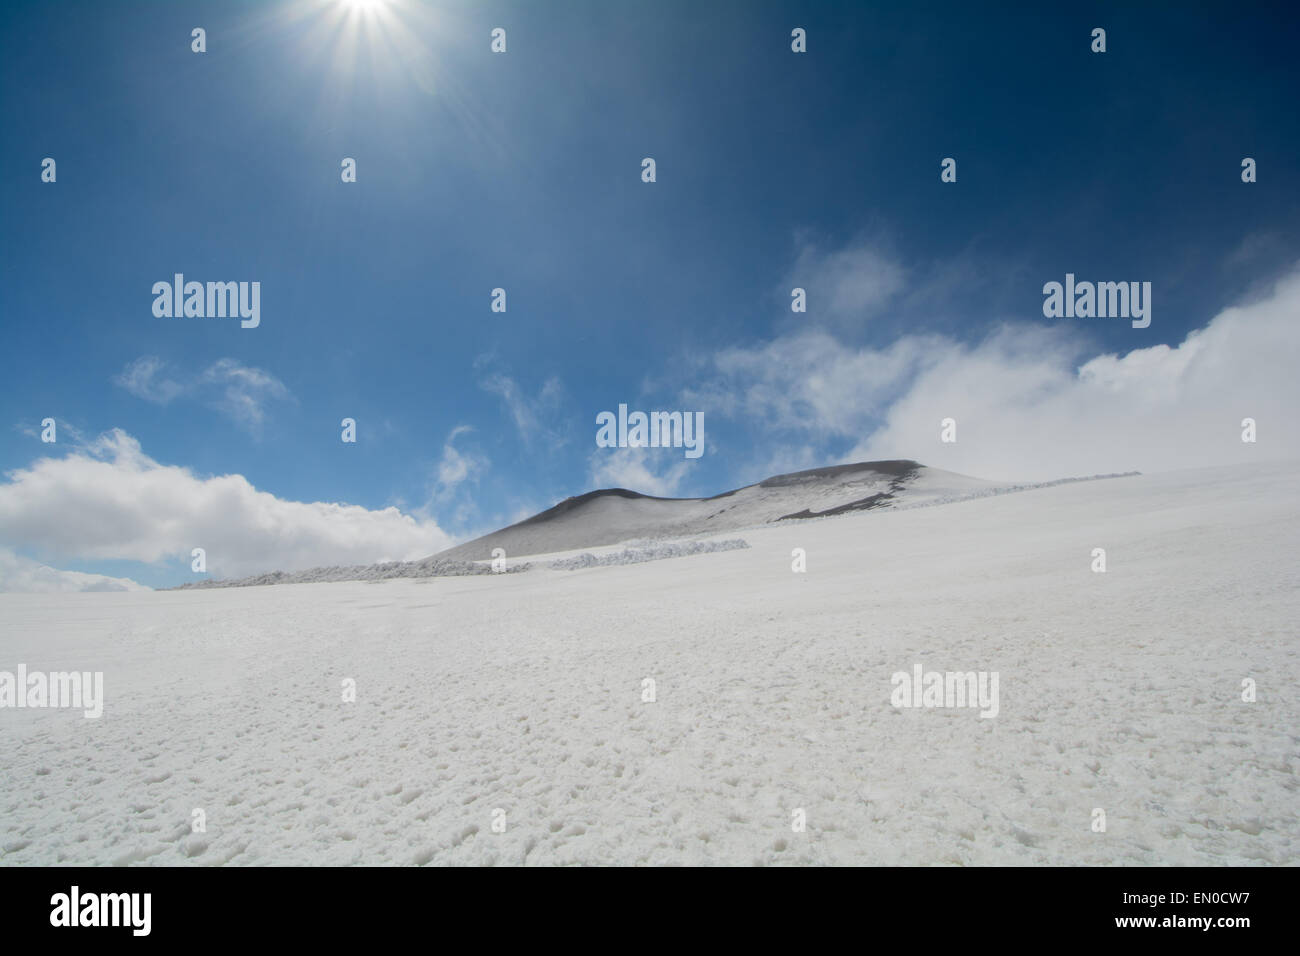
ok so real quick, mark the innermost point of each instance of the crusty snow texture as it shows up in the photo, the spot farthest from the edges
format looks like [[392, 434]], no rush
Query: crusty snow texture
[[1119, 691], [649, 552]]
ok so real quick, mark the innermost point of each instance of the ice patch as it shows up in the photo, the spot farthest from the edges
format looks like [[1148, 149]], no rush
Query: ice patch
[[657, 552]]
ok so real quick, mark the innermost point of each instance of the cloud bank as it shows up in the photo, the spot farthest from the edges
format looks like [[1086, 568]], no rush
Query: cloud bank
[[109, 500], [1028, 402], [22, 574]]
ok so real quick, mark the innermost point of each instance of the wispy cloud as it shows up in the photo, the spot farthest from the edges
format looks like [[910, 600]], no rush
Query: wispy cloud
[[240, 392], [649, 471], [244, 391], [534, 418], [146, 378], [456, 480], [458, 466], [847, 286]]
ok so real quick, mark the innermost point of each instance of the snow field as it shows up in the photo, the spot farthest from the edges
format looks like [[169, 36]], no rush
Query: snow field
[[523, 692]]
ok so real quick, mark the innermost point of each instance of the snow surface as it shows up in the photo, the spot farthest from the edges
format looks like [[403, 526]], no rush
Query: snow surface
[[651, 552], [426, 568], [1119, 691]]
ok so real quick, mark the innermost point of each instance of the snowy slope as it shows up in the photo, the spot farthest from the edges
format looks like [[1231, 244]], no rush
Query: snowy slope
[[614, 515], [523, 693]]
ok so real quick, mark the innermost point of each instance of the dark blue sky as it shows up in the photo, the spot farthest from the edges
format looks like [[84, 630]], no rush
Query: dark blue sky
[[522, 171]]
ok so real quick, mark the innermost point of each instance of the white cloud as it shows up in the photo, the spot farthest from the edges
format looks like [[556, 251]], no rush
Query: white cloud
[[846, 286], [634, 469], [458, 466], [809, 382], [533, 417], [146, 378], [1028, 403], [109, 500], [239, 391], [19, 574], [244, 391], [456, 478]]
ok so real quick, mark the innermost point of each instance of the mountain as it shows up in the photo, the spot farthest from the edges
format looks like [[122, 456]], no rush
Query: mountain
[[615, 515]]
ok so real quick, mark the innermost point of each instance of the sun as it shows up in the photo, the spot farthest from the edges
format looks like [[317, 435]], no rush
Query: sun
[[357, 45]]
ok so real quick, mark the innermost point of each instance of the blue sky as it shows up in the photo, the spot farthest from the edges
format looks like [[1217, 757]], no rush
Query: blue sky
[[522, 170]]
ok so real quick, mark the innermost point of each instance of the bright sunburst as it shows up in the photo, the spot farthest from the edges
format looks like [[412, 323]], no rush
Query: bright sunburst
[[380, 50]]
